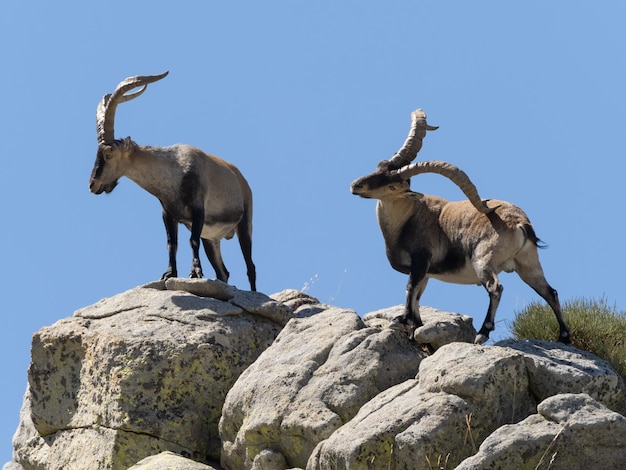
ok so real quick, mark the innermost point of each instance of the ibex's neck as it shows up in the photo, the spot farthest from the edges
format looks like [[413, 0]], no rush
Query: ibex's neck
[[392, 213], [156, 169]]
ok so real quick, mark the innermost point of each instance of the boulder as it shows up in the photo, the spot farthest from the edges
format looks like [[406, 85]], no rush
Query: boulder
[[569, 431], [169, 461], [439, 327], [139, 373], [315, 377], [462, 394], [554, 369]]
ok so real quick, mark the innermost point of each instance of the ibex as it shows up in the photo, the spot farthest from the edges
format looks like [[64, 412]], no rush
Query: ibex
[[205, 193], [466, 242]]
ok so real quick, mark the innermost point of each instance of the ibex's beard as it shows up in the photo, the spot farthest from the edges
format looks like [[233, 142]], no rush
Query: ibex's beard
[[97, 187]]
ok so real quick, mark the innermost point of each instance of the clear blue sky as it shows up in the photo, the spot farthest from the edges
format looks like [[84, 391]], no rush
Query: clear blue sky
[[304, 97]]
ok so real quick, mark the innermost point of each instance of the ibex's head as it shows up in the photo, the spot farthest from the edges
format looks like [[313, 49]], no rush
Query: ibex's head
[[386, 180], [112, 155], [392, 176]]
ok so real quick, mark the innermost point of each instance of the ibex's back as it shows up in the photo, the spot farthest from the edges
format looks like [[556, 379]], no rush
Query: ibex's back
[[207, 194]]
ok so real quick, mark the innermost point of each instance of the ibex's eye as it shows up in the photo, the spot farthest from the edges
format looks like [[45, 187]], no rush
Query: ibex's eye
[[392, 187], [108, 156]]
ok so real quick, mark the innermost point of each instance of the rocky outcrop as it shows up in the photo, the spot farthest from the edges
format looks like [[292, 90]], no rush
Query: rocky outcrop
[[462, 394], [186, 374], [311, 381], [139, 373]]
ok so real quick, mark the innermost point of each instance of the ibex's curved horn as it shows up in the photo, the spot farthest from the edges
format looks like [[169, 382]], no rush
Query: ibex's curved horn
[[413, 142], [454, 174], [105, 114]]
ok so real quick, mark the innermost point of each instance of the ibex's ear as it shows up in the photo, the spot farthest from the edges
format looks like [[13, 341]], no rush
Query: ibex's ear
[[127, 144]]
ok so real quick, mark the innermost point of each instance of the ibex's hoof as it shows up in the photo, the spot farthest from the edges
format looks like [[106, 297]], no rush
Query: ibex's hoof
[[399, 325], [480, 339], [565, 338]]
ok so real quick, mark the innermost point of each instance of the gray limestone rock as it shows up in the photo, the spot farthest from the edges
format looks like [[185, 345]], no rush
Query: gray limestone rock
[[569, 431], [440, 328], [139, 373], [314, 378]]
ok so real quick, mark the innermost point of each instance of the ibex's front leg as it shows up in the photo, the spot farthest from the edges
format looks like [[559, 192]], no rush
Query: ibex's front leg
[[410, 319], [414, 289], [171, 230], [197, 223]]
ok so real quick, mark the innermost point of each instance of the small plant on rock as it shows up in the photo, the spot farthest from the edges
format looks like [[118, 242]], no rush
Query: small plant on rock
[[595, 327]]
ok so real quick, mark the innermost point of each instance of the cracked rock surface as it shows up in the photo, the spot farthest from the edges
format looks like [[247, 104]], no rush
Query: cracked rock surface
[[200, 375], [315, 377], [142, 372]]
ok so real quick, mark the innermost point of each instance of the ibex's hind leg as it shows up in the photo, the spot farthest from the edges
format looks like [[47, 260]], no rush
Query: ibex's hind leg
[[213, 252], [491, 283], [196, 229], [534, 277], [244, 235]]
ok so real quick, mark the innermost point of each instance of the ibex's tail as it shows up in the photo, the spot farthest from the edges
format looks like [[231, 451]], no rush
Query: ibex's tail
[[529, 231]]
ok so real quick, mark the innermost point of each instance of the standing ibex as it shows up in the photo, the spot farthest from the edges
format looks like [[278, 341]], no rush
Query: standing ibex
[[466, 242], [207, 194]]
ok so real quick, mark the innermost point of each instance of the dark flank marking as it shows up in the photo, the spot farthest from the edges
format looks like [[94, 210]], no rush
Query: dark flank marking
[[189, 188], [453, 261]]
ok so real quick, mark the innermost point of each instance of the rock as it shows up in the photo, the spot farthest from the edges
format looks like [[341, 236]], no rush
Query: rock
[[149, 374], [251, 302], [314, 378], [492, 378], [139, 373], [169, 461], [554, 368], [440, 328], [462, 386], [202, 287], [569, 431], [462, 394], [294, 299], [371, 438], [269, 459], [261, 304]]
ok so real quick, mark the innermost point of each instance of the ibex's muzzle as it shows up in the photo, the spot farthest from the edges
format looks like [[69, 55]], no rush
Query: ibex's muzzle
[[97, 187]]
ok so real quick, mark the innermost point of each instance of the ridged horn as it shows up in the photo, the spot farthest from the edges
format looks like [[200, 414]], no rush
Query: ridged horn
[[453, 173], [105, 113], [413, 142]]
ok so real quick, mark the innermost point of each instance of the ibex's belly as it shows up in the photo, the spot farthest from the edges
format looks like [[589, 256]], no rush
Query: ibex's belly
[[218, 231], [467, 275], [216, 226], [462, 275], [215, 231]]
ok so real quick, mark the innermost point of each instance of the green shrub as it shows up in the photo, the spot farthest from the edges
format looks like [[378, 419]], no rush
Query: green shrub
[[595, 327]]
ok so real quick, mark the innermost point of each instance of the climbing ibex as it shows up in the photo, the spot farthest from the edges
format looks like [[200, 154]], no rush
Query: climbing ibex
[[466, 242], [207, 194]]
